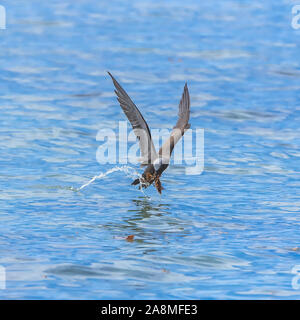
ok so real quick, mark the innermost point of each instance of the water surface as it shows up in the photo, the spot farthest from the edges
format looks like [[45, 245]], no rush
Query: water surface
[[231, 232]]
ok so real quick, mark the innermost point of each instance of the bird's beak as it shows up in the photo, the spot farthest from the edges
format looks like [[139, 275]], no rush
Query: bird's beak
[[135, 182]]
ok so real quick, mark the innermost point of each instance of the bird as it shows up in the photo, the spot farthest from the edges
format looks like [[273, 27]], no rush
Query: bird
[[156, 163]]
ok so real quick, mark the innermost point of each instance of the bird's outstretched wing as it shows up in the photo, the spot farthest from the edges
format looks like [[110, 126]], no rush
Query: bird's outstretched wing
[[181, 126], [139, 125]]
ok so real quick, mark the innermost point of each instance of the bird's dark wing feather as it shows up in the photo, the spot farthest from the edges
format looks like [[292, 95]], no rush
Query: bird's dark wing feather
[[181, 126], [138, 123]]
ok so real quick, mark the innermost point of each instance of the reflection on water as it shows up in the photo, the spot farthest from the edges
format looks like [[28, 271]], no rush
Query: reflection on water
[[231, 232], [145, 207]]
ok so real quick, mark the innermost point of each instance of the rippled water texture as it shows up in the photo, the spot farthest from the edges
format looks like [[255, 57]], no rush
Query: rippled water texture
[[231, 232]]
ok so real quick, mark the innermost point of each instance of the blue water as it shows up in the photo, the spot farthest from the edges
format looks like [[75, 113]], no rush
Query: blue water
[[231, 232]]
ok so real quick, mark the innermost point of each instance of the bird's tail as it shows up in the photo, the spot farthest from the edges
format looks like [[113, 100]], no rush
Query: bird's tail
[[158, 185]]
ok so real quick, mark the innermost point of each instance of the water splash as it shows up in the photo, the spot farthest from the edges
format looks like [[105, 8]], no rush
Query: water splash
[[129, 171]]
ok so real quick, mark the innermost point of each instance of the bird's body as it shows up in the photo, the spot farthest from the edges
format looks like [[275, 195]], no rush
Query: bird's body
[[155, 163], [152, 174]]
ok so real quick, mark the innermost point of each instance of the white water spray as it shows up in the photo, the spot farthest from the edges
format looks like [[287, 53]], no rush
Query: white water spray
[[129, 171]]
